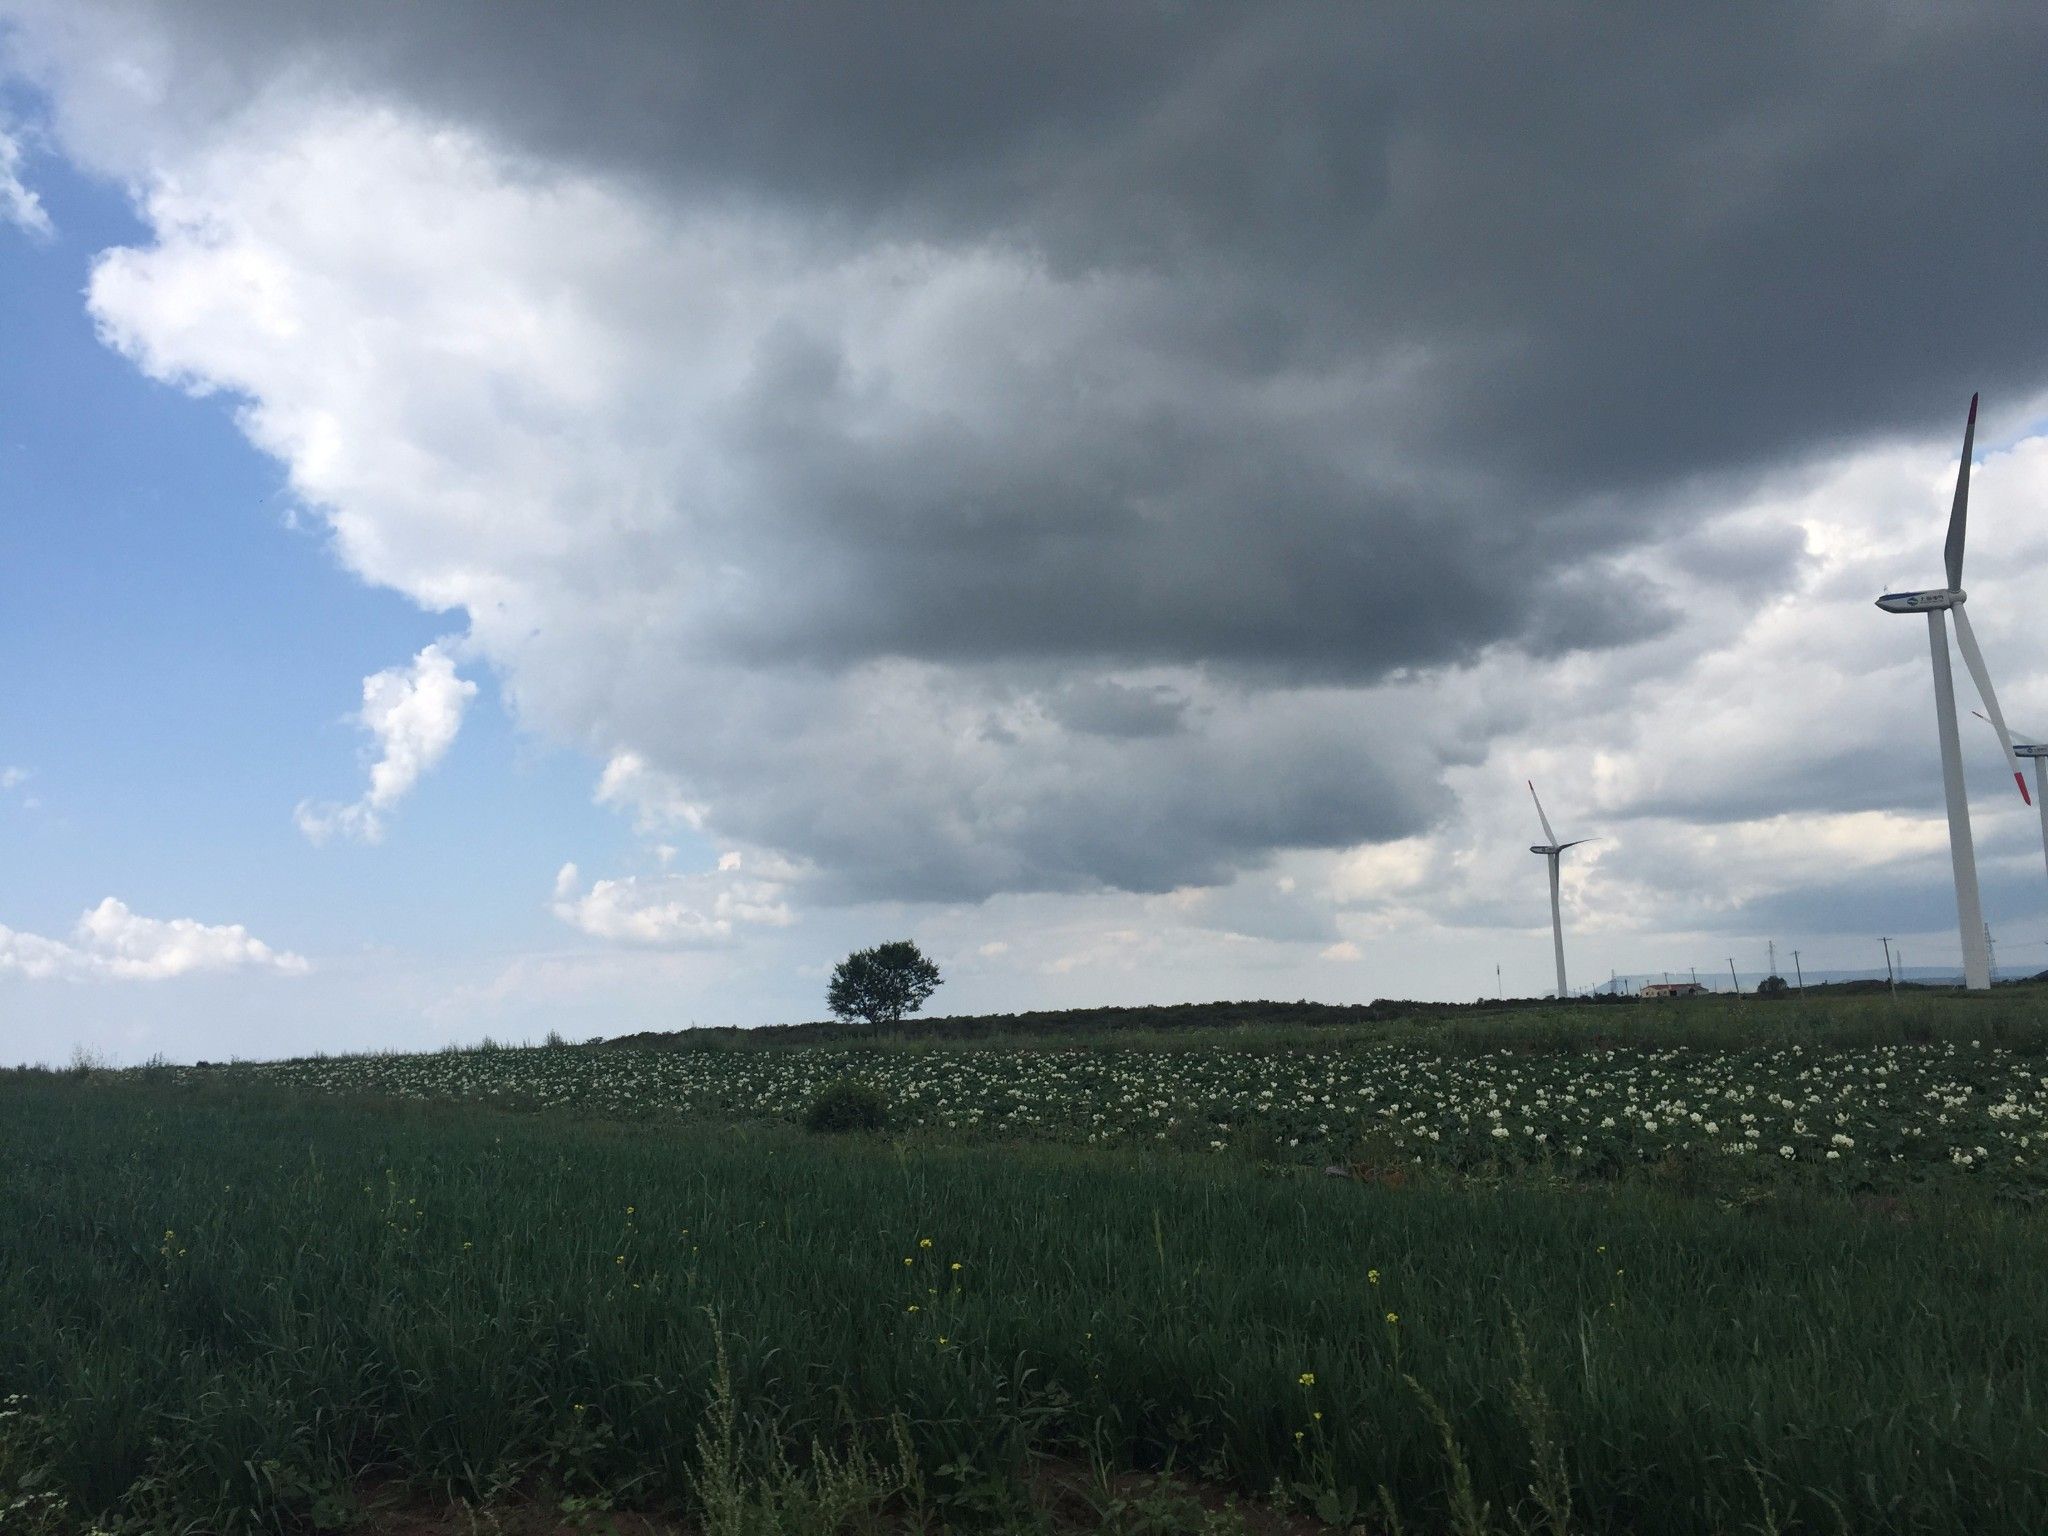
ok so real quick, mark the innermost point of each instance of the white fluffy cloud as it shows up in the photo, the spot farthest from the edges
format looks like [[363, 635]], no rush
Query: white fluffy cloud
[[938, 565], [655, 799], [561, 418], [19, 205], [111, 941], [671, 910], [413, 713], [550, 448]]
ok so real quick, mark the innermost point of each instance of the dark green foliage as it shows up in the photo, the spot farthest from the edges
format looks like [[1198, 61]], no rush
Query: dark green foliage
[[883, 984], [846, 1105], [226, 1309], [1838, 1015]]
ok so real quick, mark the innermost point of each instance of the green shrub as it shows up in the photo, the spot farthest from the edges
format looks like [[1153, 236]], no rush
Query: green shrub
[[846, 1105]]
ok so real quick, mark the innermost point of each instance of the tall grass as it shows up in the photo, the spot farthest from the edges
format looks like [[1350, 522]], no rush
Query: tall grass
[[223, 1310]]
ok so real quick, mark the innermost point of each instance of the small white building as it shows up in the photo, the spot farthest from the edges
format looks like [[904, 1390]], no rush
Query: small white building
[[1672, 989]]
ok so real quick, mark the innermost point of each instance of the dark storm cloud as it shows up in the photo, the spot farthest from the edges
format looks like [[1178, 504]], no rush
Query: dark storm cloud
[[1264, 348], [1537, 267], [1098, 707], [1147, 811]]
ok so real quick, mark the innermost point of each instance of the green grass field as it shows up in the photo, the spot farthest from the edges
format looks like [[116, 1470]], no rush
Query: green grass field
[[230, 1302]]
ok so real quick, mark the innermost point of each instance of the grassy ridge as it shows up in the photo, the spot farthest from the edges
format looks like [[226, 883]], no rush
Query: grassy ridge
[[1854, 1013], [228, 1308]]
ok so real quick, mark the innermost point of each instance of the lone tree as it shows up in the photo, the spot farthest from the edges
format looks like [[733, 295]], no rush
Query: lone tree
[[882, 984]]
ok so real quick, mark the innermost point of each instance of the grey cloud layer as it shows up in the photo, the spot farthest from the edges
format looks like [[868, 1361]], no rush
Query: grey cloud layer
[[1287, 349], [1613, 245]]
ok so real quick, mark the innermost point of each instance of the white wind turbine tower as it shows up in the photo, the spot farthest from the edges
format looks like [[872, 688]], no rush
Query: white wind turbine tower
[[1950, 599], [1550, 848]]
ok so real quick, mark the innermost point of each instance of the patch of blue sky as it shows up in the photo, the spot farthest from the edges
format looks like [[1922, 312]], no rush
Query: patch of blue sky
[[183, 655]]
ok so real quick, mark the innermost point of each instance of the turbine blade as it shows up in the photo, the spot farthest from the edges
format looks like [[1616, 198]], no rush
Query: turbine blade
[[1958, 515], [1575, 843], [1966, 641], [1549, 836], [1987, 720]]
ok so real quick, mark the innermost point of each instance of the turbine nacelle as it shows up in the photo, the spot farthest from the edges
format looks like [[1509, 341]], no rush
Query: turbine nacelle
[[1922, 602], [2024, 749]]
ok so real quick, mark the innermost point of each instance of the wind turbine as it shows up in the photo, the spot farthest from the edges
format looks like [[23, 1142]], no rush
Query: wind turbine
[[2039, 753], [1950, 599], [1550, 848]]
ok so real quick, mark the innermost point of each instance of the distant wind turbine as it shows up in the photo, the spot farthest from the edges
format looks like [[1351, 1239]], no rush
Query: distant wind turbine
[[1950, 599], [1550, 848]]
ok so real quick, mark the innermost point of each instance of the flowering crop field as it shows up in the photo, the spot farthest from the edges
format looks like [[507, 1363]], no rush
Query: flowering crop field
[[1868, 1118]]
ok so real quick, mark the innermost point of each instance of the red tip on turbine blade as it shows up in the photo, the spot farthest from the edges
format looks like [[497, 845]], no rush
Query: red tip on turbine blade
[[2021, 780]]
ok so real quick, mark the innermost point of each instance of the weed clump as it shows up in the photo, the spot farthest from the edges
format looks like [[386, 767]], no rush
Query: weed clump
[[846, 1105]]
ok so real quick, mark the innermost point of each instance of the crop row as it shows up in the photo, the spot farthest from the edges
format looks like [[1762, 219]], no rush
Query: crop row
[[1867, 1116]]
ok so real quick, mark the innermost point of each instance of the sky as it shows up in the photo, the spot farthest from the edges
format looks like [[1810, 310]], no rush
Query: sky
[[518, 517]]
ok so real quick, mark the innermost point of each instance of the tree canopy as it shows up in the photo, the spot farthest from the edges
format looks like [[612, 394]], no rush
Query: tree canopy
[[882, 984]]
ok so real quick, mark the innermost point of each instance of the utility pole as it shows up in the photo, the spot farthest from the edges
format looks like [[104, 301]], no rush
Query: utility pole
[[1732, 977], [1799, 973], [1498, 994], [1695, 974], [1892, 980], [1774, 955]]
